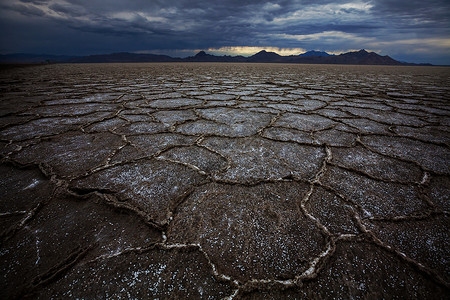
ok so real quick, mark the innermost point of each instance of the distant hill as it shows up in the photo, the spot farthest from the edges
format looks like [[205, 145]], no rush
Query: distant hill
[[264, 56], [361, 57], [315, 53], [202, 56]]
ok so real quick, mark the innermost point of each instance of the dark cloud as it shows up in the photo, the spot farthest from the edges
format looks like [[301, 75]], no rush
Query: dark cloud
[[389, 27], [413, 7], [67, 9], [27, 10], [414, 13], [35, 1]]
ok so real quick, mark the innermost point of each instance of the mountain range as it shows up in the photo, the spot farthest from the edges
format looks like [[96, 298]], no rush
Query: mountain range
[[361, 57]]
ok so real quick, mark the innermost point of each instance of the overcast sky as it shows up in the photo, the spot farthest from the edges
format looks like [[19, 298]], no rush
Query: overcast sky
[[407, 30]]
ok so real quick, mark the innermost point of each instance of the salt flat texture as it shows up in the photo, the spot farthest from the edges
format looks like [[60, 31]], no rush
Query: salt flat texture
[[210, 181]]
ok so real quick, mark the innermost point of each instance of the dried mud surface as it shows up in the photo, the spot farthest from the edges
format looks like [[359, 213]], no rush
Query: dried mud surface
[[235, 181]]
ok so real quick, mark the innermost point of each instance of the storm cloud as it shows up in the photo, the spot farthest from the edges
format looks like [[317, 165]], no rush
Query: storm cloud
[[411, 30]]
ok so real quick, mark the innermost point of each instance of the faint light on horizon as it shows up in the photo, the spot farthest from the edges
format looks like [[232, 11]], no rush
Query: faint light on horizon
[[243, 51], [229, 50], [248, 50]]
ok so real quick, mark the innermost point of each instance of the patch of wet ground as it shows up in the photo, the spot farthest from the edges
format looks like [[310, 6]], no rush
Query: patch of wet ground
[[236, 181]]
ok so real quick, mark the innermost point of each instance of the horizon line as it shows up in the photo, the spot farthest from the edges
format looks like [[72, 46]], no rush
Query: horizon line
[[196, 51]]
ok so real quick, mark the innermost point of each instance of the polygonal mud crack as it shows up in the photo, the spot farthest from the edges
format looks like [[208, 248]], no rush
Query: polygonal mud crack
[[71, 154], [255, 181], [226, 122], [47, 126], [249, 232], [331, 211], [197, 157], [174, 103], [438, 191], [179, 273], [426, 241], [388, 117], [171, 117], [412, 150], [151, 186], [366, 126], [22, 189], [61, 228], [334, 137], [71, 110], [141, 128], [377, 198], [151, 144], [304, 122], [257, 159], [361, 270], [146, 145], [376, 165], [288, 135]]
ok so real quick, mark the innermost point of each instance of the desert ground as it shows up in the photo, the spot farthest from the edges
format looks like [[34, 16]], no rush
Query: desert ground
[[235, 181]]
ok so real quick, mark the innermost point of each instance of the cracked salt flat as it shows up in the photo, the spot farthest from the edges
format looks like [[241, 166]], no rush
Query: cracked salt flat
[[257, 159], [249, 233], [227, 181]]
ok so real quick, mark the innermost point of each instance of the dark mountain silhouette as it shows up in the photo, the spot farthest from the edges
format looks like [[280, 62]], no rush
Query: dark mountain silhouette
[[315, 53], [202, 56], [264, 56], [361, 57]]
